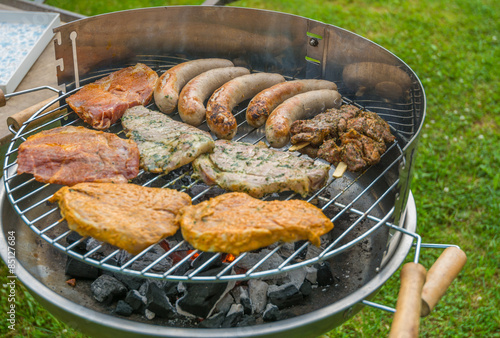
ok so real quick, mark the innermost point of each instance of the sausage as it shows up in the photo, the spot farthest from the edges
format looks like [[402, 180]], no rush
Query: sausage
[[192, 98], [298, 107], [169, 85], [220, 105], [264, 102]]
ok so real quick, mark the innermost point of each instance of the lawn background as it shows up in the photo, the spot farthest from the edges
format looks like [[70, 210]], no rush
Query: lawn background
[[453, 47]]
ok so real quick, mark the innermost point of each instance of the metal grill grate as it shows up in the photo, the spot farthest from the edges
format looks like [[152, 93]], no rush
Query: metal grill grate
[[363, 199]]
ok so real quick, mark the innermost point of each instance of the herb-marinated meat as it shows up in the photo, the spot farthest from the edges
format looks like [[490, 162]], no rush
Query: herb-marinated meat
[[243, 167], [128, 216], [164, 144], [104, 101], [235, 223], [69, 155], [351, 135]]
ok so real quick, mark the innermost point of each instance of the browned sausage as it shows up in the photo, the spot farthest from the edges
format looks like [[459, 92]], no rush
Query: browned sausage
[[171, 82], [192, 98], [264, 102], [298, 107], [220, 118]]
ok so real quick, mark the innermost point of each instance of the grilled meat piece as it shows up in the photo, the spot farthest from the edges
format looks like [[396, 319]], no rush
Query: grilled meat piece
[[164, 144], [356, 150], [128, 216], [370, 124], [243, 167], [69, 155], [348, 134], [236, 222], [103, 102], [323, 126]]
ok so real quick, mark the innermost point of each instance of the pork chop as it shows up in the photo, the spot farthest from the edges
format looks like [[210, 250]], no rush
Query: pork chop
[[243, 167], [129, 216], [69, 155], [102, 103], [164, 144], [236, 222]]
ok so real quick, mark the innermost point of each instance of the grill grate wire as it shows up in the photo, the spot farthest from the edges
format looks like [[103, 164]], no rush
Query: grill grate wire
[[43, 218]]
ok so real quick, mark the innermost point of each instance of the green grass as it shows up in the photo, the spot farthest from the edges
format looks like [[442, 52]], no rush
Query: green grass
[[453, 47]]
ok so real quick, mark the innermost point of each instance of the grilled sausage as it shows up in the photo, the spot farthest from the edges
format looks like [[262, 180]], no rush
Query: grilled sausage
[[171, 82], [298, 107], [264, 102], [220, 105], [192, 98]]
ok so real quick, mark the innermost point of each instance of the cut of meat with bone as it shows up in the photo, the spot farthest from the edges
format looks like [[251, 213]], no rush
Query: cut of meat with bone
[[69, 155], [164, 144], [243, 167], [102, 103], [129, 216], [236, 222]]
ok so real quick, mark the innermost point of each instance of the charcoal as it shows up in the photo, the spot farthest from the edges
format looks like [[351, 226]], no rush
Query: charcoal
[[224, 304], [324, 276], [149, 257], [123, 309], [306, 288], [234, 314], [245, 301], [131, 282], [149, 314], [246, 320], [203, 257], [171, 290], [200, 298], [272, 313], [311, 274], [76, 268], [106, 288], [136, 301], [158, 301], [257, 291], [81, 247], [284, 295], [214, 321], [297, 246]]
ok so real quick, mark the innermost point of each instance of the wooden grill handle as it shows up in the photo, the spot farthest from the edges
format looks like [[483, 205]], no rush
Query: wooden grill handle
[[3, 101], [440, 276], [406, 320], [17, 120]]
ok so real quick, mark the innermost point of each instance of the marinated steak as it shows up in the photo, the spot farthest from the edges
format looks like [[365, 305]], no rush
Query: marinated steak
[[349, 134], [236, 222], [103, 102], [128, 216], [69, 155], [164, 144], [243, 167]]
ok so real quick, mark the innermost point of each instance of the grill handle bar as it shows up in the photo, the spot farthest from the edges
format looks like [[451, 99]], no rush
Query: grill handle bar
[[18, 119], [420, 290]]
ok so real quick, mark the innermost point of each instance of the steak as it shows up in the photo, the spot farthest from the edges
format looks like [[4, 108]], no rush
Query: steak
[[129, 216], [349, 134], [243, 167], [236, 222], [164, 144], [102, 103], [69, 155]]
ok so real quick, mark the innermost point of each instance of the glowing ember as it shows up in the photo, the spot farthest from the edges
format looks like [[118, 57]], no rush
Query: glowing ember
[[228, 258]]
